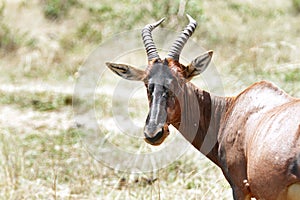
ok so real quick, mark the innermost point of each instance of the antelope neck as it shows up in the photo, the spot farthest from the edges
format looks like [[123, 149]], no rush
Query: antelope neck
[[201, 116]]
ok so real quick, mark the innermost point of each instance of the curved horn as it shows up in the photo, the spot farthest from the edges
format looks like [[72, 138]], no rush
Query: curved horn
[[182, 39], [148, 40]]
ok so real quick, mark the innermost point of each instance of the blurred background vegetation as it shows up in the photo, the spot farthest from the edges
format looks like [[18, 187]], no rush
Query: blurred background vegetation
[[44, 42]]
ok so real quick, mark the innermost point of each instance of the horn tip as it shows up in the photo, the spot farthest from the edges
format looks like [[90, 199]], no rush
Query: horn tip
[[162, 19], [191, 19], [159, 22]]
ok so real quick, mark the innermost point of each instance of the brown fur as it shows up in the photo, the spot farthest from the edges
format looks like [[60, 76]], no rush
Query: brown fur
[[256, 138]]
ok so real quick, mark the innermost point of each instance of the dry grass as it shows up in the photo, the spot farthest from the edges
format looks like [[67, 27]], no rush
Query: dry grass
[[41, 154]]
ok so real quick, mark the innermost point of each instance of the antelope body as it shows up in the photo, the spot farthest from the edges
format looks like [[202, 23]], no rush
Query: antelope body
[[253, 137]]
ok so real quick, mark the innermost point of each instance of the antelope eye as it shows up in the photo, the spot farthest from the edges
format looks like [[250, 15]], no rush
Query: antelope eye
[[165, 94], [168, 94]]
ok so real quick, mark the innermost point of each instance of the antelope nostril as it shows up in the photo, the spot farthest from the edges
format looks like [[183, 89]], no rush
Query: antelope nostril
[[157, 136]]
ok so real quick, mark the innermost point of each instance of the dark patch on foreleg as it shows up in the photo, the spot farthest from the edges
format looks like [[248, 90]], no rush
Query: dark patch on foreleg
[[295, 167]]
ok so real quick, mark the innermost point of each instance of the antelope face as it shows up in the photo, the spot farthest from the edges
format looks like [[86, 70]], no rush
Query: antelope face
[[160, 90], [160, 84], [163, 80]]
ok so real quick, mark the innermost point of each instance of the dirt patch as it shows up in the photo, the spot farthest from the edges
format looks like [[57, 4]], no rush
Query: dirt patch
[[27, 121]]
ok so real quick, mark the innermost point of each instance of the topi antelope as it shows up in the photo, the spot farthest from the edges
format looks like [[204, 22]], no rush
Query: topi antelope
[[257, 132]]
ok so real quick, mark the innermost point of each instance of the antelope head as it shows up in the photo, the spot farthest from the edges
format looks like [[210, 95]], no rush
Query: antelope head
[[164, 80]]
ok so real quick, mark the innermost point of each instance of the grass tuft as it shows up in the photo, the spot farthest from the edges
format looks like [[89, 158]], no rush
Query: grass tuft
[[296, 5], [89, 33], [57, 9], [9, 40], [11, 160], [41, 101]]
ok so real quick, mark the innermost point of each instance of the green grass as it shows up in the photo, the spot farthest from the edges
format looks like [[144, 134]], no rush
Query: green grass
[[41, 101], [34, 157], [57, 166], [10, 40], [57, 9], [292, 75], [89, 33], [296, 4]]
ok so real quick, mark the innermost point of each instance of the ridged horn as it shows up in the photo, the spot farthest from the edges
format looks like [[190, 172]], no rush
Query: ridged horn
[[148, 40], [177, 46]]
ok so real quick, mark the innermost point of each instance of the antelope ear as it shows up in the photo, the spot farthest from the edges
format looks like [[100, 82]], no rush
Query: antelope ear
[[126, 71], [198, 65]]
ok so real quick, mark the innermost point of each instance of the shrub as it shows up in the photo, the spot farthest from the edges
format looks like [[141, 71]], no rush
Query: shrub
[[56, 9], [296, 5], [8, 40]]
